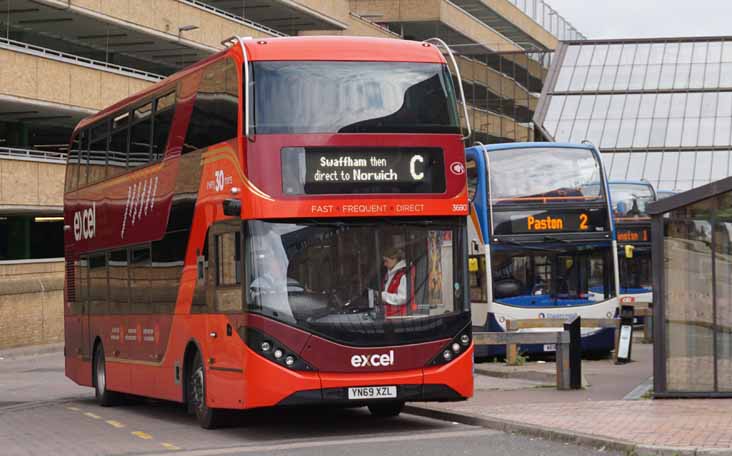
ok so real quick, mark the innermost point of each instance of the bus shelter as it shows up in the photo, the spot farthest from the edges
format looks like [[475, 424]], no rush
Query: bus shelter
[[692, 270]]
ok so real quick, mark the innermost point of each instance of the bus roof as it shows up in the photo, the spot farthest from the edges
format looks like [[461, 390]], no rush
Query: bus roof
[[526, 145], [338, 48]]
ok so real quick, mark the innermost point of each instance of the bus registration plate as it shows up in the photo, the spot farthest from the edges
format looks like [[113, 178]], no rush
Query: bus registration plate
[[372, 392], [550, 347]]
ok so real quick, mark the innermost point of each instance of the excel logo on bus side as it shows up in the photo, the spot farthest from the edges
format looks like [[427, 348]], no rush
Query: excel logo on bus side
[[376, 360], [85, 223]]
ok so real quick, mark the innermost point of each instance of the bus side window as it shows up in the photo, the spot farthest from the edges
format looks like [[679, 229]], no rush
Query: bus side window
[[228, 272], [162, 120], [98, 289], [119, 282], [72, 166], [168, 255], [97, 158], [140, 279], [141, 136], [82, 290], [214, 115]]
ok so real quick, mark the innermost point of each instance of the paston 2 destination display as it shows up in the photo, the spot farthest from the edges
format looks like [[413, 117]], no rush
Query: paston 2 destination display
[[537, 222], [346, 170]]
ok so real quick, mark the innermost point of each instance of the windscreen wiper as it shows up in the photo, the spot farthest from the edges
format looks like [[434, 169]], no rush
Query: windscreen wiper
[[552, 238], [525, 245]]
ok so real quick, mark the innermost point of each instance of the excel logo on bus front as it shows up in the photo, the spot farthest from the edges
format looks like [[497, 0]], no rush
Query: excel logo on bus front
[[375, 360], [85, 223]]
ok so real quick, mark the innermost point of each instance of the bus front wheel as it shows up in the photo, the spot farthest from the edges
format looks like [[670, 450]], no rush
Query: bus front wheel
[[208, 418], [386, 409]]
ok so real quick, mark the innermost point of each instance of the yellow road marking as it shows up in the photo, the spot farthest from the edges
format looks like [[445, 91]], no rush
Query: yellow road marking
[[142, 435], [91, 415], [170, 446], [73, 409], [116, 424]]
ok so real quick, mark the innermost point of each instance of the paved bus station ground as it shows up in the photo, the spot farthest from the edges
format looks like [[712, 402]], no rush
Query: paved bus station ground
[[612, 414]]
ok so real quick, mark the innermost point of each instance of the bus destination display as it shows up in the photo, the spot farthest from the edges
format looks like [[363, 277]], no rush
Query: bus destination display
[[538, 222], [314, 171], [633, 235]]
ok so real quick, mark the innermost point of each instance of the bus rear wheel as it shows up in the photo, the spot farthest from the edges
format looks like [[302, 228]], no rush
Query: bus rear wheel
[[386, 409], [104, 397], [208, 418]]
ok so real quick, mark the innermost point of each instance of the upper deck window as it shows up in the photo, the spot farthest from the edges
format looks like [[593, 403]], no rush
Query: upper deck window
[[630, 200], [353, 97], [543, 174]]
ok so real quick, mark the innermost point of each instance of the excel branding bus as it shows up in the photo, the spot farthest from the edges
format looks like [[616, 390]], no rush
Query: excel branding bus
[[629, 200], [282, 223], [542, 241]]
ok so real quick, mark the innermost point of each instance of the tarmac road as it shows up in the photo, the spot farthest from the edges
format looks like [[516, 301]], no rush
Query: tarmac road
[[42, 412]]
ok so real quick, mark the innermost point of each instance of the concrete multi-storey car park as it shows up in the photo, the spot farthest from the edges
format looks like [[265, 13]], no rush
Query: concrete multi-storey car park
[[63, 60]]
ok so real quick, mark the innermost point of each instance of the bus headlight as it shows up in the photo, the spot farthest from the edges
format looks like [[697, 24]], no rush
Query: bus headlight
[[447, 354], [290, 360], [273, 350], [456, 347], [465, 340], [278, 353], [266, 346]]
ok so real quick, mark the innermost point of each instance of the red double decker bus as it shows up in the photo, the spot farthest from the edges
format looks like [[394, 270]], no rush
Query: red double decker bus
[[282, 223]]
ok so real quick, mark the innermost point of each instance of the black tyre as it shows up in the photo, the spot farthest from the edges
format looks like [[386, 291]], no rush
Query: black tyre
[[386, 409], [104, 397], [208, 418]]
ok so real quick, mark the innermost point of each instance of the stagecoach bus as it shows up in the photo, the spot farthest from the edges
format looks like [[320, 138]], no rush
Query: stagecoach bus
[[282, 223], [542, 241], [633, 225]]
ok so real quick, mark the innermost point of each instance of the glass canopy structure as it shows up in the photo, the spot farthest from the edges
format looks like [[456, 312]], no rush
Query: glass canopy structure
[[659, 109]]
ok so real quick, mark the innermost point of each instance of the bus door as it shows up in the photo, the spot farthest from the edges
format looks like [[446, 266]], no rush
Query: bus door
[[224, 293]]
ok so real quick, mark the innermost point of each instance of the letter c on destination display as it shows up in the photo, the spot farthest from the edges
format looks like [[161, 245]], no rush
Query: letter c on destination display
[[413, 167]]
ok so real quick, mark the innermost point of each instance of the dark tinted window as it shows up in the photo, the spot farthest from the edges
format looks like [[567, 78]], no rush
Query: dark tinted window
[[215, 111], [140, 279], [96, 159], [98, 284], [72, 164], [168, 255], [164, 109], [353, 97], [119, 282], [118, 152]]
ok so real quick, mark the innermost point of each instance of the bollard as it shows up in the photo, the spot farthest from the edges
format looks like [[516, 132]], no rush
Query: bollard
[[573, 326]]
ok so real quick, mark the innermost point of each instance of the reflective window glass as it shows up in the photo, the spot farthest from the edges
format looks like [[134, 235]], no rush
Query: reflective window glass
[[602, 103], [722, 131], [658, 132], [585, 107], [622, 77], [703, 169], [681, 80], [594, 132], [565, 76], [628, 55], [711, 76], [657, 53], [663, 104], [637, 77], [690, 133], [653, 73], [635, 166], [720, 163], [670, 53], [610, 134], [686, 166], [641, 54], [642, 132], [616, 106], [725, 78], [556, 103], [678, 104], [598, 57], [693, 105], [696, 77], [632, 103], [700, 53], [685, 52], [709, 104], [724, 104], [647, 104], [613, 54], [727, 51], [652, 170], [570, 107], [607, 161], [585, 55], [669, 162], [594, 73], [564, 128], [620, 165], [579, 131], [706, 131], [714, 52], [668, 73], [607, 79], [578, 78], [625, 136], [673, 132], [570, 57]]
